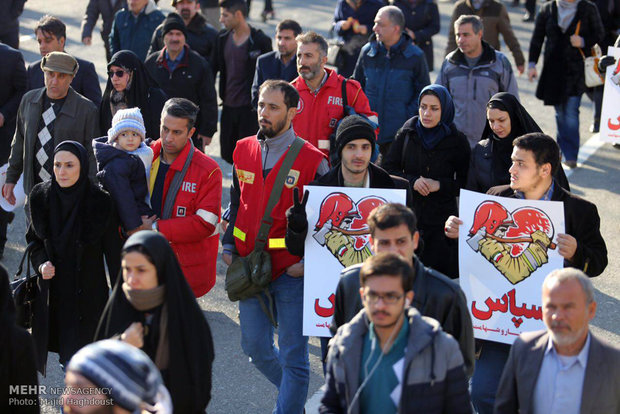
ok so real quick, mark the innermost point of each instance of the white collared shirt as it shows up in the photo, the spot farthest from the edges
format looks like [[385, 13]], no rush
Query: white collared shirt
[[560, 381]]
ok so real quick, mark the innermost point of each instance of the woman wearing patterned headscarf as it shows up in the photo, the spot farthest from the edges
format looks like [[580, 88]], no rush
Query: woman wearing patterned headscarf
[[129, 86]]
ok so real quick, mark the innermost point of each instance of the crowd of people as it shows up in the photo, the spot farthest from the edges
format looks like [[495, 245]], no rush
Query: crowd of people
[[125, 218]]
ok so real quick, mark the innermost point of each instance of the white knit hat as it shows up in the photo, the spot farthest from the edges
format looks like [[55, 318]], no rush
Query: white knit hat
[[127, 119]]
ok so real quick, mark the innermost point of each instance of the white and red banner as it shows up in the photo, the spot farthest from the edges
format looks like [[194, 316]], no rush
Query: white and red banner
[[337, 238], [507, 247], [610, 113]]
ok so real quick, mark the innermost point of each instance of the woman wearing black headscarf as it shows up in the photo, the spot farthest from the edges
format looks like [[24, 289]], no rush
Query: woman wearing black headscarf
[[129, 86], [17, 361], [74, 227], [490, 157], [434, 156], [153, 308]]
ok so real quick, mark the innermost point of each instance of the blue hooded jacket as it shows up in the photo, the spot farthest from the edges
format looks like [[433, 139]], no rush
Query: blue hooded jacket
[[392, 82]]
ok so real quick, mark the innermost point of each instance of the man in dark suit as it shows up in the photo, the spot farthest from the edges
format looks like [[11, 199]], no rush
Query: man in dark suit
[[107, 9], [281, 63], [13, 79], [566, 369], [51, 34]]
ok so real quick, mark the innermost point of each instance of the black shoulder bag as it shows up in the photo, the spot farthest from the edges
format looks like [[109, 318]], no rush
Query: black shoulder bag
[[250, 275], [25, 291]]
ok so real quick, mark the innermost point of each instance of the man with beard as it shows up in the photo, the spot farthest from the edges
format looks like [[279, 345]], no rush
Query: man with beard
[[281, 63], [200, 34], [567, 368], [321, 104], [390, 359], [183, 73], [237, 49], [257, 161]]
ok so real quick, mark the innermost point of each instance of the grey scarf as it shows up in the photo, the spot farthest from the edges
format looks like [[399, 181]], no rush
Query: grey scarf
[[566, 13]]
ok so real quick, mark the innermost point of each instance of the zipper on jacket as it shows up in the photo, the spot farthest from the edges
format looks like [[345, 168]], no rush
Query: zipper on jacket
[[475, 85]]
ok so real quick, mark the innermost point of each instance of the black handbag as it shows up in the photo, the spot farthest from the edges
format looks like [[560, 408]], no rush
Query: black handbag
[[25, 291]]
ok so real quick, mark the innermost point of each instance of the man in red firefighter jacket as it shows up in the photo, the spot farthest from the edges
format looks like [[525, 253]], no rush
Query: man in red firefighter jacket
[[320, 105], [257, 160], [186, 194]]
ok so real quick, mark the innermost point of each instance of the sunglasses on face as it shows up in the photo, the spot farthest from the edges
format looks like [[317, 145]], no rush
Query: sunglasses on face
[[118, 73]]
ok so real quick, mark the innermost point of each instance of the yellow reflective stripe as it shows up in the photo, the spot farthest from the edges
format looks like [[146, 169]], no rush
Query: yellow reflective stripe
[[239, 234], [277, 244], [153, 177]]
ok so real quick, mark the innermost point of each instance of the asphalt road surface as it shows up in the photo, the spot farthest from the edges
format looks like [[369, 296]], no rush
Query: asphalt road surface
[[237, 386]]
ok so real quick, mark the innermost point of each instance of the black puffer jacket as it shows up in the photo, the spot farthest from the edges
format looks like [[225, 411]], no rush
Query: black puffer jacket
[[435, 296], [122, 175], [562, 74]]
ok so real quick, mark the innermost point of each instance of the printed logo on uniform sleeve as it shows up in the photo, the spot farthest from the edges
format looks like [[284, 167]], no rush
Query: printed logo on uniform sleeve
[[181, 211], [300, 105], [245, 176], [291, 179]]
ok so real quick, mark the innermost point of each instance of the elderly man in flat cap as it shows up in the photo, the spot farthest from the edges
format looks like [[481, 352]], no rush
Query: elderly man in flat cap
[[45, 118]]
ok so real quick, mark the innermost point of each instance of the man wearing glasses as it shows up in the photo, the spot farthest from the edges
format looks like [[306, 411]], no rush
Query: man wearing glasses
[[389, 358], [393, 229]]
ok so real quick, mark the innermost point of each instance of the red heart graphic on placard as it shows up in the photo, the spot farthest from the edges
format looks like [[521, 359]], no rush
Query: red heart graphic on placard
[[364, 207], [526, 221]]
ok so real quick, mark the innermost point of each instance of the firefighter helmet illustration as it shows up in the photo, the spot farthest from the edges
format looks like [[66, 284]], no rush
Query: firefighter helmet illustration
[[336, 207], [490, 215], [342, 227], [515, 243]]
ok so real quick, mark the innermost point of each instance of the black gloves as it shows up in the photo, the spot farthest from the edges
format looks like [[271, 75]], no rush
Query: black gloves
[[296, 215], [604, 62]]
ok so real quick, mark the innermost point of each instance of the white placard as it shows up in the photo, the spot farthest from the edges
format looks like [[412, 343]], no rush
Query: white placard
[[337, 238], [506, 249], [610, 113], [20, 195]]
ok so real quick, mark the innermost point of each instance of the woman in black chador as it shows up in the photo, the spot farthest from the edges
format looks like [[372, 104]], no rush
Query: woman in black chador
[[153, 308]]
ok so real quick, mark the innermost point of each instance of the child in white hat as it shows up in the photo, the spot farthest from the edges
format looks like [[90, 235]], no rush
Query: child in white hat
[[124, 162]]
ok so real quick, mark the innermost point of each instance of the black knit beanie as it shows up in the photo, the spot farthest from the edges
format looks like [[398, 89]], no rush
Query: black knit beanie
[[174, 22], [351, 128]]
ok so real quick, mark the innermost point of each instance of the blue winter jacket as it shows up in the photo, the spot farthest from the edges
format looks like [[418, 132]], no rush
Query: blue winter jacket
[[135, 33], [392, 82]]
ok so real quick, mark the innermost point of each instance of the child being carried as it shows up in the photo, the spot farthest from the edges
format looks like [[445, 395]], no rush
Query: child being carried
[[124, 162]]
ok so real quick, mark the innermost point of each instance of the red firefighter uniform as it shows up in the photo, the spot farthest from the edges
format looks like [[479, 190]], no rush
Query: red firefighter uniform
[[254, 194], [192, 229], [317, 116]]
